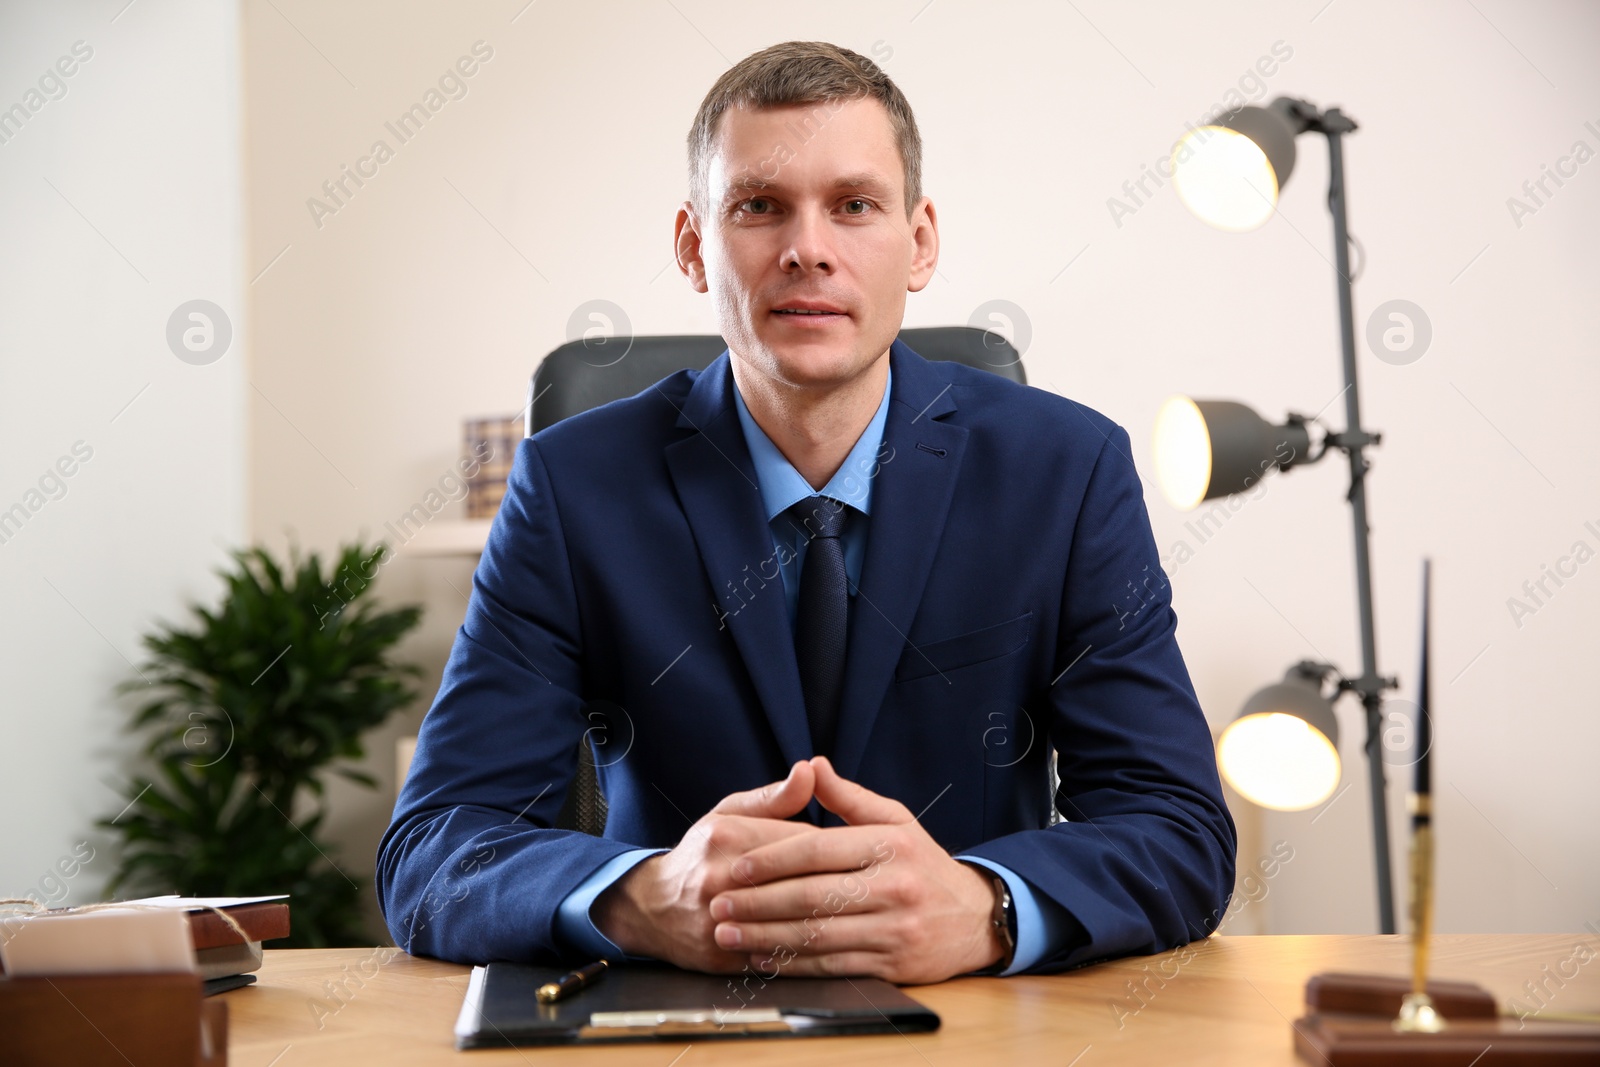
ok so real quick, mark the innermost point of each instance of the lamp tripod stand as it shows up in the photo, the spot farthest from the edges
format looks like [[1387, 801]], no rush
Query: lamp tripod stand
[[1229, 175]]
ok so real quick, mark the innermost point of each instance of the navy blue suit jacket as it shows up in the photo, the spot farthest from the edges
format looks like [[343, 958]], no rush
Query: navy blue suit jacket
[[1011, 602]]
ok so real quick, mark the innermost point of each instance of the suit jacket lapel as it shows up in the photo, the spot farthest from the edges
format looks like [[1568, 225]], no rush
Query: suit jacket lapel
[[716, 483], [910, 503]]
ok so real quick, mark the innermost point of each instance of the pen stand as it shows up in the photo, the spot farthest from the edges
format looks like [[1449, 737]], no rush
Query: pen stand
[[89, 1020], [1350, 1020]]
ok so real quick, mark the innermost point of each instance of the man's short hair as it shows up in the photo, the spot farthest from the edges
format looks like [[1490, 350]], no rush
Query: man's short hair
[[798, 73]]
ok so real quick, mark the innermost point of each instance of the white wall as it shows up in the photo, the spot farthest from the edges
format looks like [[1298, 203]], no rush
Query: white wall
[[431, 294], [119, 201]]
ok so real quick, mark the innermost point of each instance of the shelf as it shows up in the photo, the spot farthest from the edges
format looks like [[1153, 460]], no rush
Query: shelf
[[448, 537]]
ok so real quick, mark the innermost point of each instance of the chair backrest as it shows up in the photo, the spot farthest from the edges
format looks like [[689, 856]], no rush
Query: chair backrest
[[584, 374]]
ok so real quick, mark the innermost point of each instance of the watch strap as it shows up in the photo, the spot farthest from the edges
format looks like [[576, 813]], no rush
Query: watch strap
[[1003, 918]]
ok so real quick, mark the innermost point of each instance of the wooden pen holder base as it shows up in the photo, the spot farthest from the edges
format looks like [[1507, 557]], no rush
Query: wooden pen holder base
[[1350, 1022], [1351, 1040]]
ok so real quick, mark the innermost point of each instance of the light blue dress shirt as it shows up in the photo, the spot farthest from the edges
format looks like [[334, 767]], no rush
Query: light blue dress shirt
[[1041, 925]]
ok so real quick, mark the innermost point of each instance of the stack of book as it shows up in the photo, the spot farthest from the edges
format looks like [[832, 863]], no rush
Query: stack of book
[[488, 449], [225, 962], [129, 982]]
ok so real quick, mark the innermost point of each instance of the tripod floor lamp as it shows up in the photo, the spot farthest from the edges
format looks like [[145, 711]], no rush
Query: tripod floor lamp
[[1282, 749]]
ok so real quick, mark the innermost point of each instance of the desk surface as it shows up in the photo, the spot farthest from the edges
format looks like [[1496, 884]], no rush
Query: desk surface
[[1228, 1000]]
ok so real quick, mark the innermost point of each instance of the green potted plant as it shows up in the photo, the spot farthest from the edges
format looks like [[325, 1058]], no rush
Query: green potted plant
[[248, 708]]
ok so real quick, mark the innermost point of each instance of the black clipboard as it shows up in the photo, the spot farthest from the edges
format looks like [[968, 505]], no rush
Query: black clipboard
[[660, 1003]]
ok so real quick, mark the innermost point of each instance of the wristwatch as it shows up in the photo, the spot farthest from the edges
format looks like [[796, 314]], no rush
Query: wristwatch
[[1004, 918]]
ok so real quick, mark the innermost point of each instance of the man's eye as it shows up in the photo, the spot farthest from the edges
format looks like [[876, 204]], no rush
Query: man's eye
[[756, 206], [851, 205]]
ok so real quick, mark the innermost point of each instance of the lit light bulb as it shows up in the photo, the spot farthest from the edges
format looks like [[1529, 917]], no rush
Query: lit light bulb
[[1278, 761], [1182, 451], [1224, 178]]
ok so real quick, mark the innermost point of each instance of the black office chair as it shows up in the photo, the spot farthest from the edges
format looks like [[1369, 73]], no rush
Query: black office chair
[[585, 374]]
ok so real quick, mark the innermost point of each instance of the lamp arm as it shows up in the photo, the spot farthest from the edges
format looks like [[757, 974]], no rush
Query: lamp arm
[[1362, 686], [1296, 430], [1301, 115], [1311, 668], [1296, 433], [1319, 672]]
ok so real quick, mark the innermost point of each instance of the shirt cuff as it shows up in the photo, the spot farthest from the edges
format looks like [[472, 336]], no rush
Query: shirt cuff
[[1043, 926], [574, 926]]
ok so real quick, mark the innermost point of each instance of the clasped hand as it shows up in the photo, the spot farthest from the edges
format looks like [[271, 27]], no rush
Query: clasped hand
[[746, 887]]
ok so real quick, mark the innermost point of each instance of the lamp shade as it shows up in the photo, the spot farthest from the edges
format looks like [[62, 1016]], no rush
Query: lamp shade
[[1229, 174], [1282, 752], [1211, 448]]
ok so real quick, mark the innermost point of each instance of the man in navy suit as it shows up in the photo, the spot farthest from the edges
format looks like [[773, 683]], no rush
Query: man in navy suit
[[828, 610]]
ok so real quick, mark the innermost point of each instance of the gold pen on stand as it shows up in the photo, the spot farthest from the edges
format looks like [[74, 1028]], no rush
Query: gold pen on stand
[[569, 984], [1417, 1013]]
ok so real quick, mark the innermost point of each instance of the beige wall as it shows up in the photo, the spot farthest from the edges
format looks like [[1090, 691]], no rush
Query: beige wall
[[432, 293]]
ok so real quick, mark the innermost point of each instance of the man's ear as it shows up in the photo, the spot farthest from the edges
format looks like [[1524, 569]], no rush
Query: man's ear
[[686, 240], [925, 245]]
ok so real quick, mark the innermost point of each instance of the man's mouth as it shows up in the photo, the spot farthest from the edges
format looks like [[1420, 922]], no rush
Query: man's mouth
[[810, 311]]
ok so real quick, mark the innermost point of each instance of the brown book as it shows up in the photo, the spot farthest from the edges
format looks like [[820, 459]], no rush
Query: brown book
[[265, 920]]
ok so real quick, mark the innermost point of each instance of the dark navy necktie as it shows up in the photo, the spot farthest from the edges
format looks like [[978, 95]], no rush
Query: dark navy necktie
[[822, 616]]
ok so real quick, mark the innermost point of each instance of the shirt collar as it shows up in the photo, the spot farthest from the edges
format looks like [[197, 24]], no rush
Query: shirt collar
[[782, 486]]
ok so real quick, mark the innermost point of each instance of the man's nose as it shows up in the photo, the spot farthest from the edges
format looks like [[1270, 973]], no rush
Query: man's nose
[[809, 246]]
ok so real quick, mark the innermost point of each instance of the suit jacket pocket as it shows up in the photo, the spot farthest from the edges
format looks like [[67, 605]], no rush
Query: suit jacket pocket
[[941, 657]]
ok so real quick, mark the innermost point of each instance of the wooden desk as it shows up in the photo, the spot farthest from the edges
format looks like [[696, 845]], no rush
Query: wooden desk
[[1228, 1000]]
